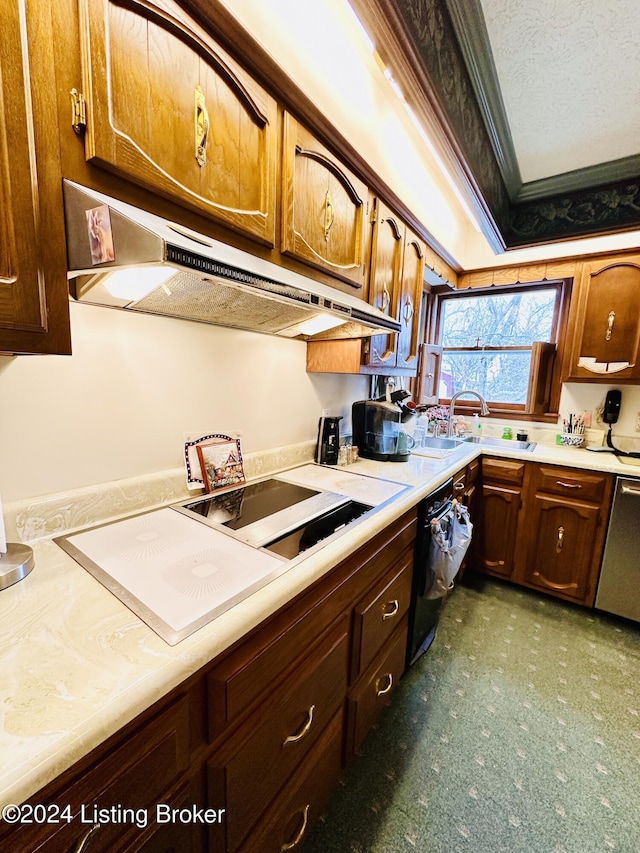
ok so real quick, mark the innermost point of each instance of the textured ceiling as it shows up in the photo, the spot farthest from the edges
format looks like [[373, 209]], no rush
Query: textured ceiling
[[535, 104], [569, 76]]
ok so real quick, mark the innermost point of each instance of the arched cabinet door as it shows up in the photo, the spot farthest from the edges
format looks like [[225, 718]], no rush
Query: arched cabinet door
[[168, 109], [34, 297], [323, 207], [409, 299], [607, 321], [385, 279]]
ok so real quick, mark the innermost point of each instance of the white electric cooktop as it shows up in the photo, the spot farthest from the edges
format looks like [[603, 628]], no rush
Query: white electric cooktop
[[177, 574]]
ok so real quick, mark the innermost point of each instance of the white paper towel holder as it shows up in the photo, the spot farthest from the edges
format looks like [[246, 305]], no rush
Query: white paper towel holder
[[15, 564]]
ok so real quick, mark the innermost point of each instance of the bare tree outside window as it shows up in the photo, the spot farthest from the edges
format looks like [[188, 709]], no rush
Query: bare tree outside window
[[487, 342]]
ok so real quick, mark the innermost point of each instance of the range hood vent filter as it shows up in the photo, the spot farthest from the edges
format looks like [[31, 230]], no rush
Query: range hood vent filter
[[193, 298]]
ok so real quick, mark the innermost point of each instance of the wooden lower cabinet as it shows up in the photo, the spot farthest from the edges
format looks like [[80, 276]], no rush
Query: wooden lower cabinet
[[543, 526], [373, 691], [566, 521], [253, 744], [498, 517]]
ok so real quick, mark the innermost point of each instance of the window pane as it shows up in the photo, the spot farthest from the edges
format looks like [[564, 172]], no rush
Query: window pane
[[498, 320], [501, 377]]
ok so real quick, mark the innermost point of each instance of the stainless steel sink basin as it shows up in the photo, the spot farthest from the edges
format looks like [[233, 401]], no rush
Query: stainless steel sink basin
[[502, 443], [441, 443]]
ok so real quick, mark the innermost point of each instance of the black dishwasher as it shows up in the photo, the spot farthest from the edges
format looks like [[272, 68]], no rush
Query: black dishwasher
[[423, 612]]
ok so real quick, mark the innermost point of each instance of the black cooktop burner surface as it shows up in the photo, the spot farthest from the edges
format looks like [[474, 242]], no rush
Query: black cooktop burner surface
[[239, 508]]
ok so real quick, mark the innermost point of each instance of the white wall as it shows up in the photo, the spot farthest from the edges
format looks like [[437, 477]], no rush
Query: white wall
[[135, 384], [581, 397]]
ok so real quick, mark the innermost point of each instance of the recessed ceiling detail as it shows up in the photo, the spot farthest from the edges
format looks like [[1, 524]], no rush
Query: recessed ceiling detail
[[541, 104]]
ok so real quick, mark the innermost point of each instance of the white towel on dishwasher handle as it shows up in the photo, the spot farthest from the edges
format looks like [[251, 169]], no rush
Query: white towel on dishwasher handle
[[450, 539]]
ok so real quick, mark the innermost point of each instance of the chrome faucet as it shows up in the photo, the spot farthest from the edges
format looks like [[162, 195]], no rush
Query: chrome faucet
[[484, 409]]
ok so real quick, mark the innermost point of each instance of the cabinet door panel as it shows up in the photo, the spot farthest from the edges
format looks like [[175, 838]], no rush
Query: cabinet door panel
[[34, 298], [408, 302], [608, 321], [562, 559], [157, 88], [384, 280], [323, 207], [496, 539]]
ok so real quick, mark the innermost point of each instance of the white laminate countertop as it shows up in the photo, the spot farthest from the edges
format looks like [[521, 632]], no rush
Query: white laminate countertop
[[76, 664]]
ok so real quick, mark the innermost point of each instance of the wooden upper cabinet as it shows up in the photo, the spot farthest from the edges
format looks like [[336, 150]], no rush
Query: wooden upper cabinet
[[385, 279], [323, 207], [408, 302], [395, 287], [34, 298], [607, 321], [168, 109]]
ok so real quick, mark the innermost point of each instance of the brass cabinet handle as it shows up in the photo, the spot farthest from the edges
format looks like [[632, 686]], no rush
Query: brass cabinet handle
[[381, 692], [82, 845], [394, 605], [568, 485], [560, 540], [304, 730], [201, 127], [386, 299], [408, 310], [329, 216], [459, 487], [610, 321], [78, 112], [289, 845]]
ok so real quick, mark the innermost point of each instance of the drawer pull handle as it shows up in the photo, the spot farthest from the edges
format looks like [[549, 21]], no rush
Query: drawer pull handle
[[381, 692], [568, 485], [83, 844], [304, 730], [289, 845], [459, 487], [560, 541], [394, 607]]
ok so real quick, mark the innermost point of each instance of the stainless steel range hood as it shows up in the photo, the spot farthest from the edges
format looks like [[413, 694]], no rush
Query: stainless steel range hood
[[199, 278]]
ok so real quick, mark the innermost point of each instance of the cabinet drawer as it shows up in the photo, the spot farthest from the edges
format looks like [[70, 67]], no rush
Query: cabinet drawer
[[253, 669], [274, 741], [503, 471], [379, 613], [373, 690], [136, 775], [473, 469], [286, 824], [573, 483]]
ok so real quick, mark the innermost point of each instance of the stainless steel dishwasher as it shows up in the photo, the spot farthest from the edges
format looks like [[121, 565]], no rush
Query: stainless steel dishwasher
[[619, 584]]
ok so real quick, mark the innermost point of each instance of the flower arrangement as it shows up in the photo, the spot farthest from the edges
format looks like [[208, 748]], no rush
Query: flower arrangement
[[439, 414]]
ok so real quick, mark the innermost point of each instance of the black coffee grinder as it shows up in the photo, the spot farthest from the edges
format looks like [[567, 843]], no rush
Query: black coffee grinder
[[328, 444]]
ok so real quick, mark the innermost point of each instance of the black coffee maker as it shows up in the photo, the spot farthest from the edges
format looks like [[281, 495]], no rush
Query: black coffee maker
[[328, 444], [378, 432]]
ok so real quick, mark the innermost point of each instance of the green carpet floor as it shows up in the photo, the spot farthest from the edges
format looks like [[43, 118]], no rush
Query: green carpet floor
[[518, 731]]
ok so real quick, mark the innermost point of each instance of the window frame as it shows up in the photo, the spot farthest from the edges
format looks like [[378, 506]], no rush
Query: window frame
[[557, 337]]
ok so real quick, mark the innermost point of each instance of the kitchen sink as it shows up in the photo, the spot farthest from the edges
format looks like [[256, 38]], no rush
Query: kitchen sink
[[441, 443], [432, 445], [502, 443]]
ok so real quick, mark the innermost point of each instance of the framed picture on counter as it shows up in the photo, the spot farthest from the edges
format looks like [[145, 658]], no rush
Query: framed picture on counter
[[221, 463]]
